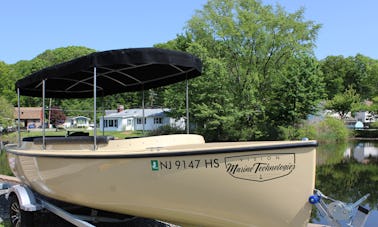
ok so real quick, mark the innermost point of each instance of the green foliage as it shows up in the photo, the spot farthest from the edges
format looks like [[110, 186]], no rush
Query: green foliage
[[210, 106], [6, 112], [260, 77], [344, 103], [374, 107], [307, 131], [4, 166], [62, 54], [7, 82], [334, 68], [287, 133], [165, 130], [296, 92], [297, 133], [332, 130], [358, 72], [246, 48]]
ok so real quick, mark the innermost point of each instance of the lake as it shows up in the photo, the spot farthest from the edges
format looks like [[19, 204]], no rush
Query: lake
[[347, 172]]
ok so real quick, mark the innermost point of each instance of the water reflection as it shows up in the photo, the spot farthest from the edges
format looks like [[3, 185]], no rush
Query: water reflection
[[347, 172], [363, 152]]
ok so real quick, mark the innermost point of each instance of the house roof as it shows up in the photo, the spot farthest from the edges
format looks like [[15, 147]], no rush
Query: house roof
[[78, 117], [139, 113], [28, 113]]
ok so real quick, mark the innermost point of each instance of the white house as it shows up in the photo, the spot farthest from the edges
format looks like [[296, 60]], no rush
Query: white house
[[132, 120], [77, 122], [365, 117]]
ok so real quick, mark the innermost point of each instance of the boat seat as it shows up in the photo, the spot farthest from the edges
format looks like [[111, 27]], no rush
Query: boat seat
[[69, 139]]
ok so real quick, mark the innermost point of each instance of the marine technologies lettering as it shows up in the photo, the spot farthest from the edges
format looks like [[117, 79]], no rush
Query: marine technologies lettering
[[260, 167]]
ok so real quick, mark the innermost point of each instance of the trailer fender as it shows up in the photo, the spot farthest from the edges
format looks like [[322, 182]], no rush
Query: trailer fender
[[25, 197]]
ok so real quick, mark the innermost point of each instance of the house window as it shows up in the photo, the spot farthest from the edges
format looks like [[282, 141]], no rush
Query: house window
[[158, 120], [139, 121], [111, 123]]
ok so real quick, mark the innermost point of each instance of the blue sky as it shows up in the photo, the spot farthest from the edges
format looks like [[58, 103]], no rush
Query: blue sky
[[28, 28]]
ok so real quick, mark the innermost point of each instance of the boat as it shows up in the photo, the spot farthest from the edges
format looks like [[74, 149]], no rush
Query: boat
[[180, 179]]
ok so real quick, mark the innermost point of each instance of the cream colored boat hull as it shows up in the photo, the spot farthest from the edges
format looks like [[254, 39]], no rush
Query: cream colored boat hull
[[178, 179]]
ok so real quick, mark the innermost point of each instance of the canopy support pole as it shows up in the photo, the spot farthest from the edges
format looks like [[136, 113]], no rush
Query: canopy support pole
[[94, 108], [187, 106], [43, 115], [19, 118], [103, 115], [143, 117]]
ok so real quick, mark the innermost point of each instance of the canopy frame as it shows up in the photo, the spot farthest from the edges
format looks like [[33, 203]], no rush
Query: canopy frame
[[109, 72]]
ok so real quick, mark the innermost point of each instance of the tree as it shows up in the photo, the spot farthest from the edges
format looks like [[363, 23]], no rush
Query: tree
[[334, 70], [47, 58], [297, 91], [254, 43], [367, 69], [344, 103], [7, 82], [358, 72], [6, 113], [56, 116], [209, 103]]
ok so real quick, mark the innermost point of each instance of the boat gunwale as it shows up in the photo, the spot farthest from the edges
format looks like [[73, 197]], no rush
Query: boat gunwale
[[156, 152]]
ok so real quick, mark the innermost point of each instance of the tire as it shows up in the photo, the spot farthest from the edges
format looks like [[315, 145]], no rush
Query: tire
[[17, 216]]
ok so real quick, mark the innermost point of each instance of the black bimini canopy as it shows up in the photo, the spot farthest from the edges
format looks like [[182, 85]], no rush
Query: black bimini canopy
[[117, 71]]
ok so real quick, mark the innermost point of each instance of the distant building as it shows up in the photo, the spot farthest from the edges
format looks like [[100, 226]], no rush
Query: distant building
[[30, 117], [77, 122], [133, 120], [365, 117]]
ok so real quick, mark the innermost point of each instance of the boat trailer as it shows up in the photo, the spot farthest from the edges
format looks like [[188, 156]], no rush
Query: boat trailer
[[23, 202], [337, 212]]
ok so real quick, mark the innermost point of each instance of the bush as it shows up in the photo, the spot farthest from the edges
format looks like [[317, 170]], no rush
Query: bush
[[166, 130], [332, 130], [287, 133]]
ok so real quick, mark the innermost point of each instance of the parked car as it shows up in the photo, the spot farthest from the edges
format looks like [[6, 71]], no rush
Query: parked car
[[31, 126]]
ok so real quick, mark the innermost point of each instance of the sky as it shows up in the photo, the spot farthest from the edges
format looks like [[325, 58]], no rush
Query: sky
[[28, 28]]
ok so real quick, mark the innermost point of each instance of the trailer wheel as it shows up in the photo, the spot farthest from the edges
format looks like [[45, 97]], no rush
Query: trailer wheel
[[19, 217]]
